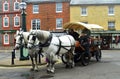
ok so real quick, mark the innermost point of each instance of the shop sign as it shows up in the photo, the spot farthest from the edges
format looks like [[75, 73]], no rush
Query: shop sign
[[7, 31]]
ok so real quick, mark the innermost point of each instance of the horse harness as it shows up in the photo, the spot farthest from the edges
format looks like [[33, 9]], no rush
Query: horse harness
[[47, 42], [60, 46], [21, 37]]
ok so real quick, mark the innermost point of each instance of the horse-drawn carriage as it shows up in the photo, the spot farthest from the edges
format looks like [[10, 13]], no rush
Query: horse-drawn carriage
[[54, 46], [80, 55]]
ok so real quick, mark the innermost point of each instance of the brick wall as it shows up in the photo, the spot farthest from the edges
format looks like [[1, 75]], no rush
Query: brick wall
[[47, 15]]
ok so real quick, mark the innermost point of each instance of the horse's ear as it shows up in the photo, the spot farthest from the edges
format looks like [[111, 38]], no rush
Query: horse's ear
[[17, 32]]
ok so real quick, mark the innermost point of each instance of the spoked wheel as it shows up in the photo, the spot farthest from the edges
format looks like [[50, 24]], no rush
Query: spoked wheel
[[77, 57], [63, 57], [85, 59], [98, 55]]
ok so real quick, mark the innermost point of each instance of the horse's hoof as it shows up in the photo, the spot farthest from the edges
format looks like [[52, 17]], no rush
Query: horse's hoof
[[50, 72], [32, 69], [67, 66]]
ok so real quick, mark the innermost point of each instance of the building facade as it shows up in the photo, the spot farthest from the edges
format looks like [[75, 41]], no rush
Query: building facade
[[47, 14], [105, 13], [40, 14], [9, 22]]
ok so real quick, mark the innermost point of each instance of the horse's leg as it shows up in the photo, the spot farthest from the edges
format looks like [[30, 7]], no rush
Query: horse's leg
[[70, 54], [36, 64], [51, 63], [33, 65]]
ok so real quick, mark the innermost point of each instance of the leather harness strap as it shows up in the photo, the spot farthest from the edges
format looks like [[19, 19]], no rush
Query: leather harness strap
[[57, 53], [47, 42]]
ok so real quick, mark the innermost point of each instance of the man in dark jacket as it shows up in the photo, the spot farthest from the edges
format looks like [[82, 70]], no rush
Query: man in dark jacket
[[84, 41], [74, 34]]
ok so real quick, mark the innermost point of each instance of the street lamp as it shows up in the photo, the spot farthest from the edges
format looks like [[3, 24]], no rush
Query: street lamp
[[23, 6]]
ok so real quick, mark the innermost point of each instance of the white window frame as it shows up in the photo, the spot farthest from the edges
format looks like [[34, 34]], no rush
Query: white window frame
[[35, 9], [59, 22], [6, 17], [4, 37], [16, 2], [5, 3], [111, 24], [83, 11], [37, 24], [18, 21], [111, 10], [59, 7]]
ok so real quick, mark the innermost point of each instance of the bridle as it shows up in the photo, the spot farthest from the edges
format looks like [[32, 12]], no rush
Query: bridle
[[45, 44], [21, 38], [33, 39]]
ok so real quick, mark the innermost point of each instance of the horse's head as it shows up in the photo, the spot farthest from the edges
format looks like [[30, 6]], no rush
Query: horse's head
[[19, 39], [31, 39]]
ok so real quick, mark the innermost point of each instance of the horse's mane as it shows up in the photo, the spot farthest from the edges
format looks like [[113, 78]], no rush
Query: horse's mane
[[41, 34], [25, 36]]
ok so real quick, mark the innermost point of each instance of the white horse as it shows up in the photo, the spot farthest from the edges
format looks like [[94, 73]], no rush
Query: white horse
[[53, 47], [22, 39]]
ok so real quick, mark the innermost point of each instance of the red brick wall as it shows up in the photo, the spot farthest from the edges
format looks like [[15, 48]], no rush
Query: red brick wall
[[47, 15]]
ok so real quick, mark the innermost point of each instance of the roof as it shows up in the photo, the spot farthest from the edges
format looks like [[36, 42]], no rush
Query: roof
[[43, 1], [92, 2]]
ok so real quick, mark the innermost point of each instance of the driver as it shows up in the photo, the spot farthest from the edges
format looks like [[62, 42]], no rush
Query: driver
[[73, 33], [85, 42]]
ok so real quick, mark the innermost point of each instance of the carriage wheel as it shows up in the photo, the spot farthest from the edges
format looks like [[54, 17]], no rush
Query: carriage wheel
[[63, 58], [98, 55], [85, 59]]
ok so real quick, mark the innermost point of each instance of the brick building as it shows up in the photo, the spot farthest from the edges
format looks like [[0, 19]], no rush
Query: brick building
[[9, 22], [40, 14], [47, 14]]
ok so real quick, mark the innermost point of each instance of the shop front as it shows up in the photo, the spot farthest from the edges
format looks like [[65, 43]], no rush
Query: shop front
[[110, 39]]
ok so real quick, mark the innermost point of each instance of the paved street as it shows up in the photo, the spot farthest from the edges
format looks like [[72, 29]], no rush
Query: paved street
[[108, 68]]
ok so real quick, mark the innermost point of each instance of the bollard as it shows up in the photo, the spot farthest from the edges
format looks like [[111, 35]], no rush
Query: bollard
[[13, 57]]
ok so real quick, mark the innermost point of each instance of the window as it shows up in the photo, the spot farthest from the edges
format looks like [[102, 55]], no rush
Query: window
[[6, 39], [35, 24], [111, 25], [35, 8], [16, 21], [59, 22], [110, 10], [58, 7], [5, 21], [16, 5], [5, 6], [84, 11]]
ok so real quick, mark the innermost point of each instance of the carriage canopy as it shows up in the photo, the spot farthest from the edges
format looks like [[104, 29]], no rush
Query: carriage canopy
[[81, 26]]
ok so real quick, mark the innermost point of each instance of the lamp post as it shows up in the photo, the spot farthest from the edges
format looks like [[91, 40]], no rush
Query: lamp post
[[23, 27]]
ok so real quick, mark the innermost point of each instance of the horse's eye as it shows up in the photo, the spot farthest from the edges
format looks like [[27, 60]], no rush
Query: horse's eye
[[34, 37], [21, 38]]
